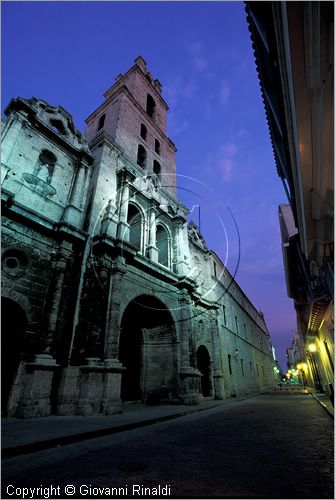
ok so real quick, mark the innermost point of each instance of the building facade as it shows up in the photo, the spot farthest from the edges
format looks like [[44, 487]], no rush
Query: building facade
[[294, 52], [99, 300]]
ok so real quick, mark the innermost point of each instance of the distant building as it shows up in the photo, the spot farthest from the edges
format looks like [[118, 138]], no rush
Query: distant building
[[100, 301], [293, 46]]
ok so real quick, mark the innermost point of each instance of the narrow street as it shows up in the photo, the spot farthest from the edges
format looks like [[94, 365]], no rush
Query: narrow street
[[256, 447]]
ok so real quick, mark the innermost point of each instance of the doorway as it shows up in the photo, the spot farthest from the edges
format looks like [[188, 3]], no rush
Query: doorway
[[147, 350], [203, 365]]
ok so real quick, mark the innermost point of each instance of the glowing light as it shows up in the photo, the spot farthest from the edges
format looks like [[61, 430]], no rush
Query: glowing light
[[312, 347], [299, 366]]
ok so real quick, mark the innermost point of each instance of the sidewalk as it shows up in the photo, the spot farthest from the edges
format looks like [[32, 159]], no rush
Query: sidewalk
[[324, 401], [20, 436]]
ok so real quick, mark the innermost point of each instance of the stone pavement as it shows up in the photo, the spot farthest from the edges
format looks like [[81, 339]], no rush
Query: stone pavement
[[20, 436], [277, 445]]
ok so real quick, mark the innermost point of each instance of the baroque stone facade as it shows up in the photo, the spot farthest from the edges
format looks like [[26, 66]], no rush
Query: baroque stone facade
[[99, 300]]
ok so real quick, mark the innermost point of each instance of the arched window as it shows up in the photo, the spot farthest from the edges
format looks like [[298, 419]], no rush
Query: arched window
[[101, 122], [150, 106], [135, 226], [156, 168], [162, 243], [157, 147], [141, 156], [143, 132]]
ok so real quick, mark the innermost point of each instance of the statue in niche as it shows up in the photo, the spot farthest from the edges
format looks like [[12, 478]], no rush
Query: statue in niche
[[43, 172], [45, 165]]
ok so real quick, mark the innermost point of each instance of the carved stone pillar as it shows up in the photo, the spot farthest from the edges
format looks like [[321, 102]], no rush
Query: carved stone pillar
[[123, 226], [182, 250], [73, 211], [153, 250], [111, 401], [55, 292], [39, 374], [189, 376], [115, 295], [219, 390]]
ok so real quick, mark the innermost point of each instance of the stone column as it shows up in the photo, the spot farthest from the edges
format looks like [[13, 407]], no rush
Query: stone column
[[36, 397], [153, 250], [111, 401], [123, 226], [219, 391], [73, 211], [189, 376], [54, 298], [182, 267]]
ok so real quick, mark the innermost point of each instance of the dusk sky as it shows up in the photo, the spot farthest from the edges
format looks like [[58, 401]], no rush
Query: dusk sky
[[68, 53]]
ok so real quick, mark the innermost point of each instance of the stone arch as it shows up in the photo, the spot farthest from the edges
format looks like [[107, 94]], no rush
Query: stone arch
[[22, 301], [204, 366], [147, 349]]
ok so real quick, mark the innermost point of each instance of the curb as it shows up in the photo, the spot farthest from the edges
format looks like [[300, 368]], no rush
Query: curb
[[322, 404], [15, 451]]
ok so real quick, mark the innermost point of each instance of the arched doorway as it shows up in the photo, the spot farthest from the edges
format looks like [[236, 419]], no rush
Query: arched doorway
[[147, 350], [203, 365], [13, 327]]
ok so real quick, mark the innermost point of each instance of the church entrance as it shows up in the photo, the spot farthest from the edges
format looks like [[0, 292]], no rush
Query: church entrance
[[203, 365], [147, 350], [13, 327]]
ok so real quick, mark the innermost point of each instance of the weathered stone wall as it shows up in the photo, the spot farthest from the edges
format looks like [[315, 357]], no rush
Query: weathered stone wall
[[93, 295]]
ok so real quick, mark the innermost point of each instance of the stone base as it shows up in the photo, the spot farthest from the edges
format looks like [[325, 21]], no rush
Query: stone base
[[190, 386], [100, 383], [68, 391], [37, 388]]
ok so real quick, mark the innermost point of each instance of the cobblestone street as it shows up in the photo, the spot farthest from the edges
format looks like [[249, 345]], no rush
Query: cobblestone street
[[255, 447]]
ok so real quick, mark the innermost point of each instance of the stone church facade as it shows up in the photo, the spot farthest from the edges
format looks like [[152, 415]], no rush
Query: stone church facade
[[99, 302]]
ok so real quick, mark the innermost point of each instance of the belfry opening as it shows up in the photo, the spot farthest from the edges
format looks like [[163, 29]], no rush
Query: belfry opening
[[147, 351]]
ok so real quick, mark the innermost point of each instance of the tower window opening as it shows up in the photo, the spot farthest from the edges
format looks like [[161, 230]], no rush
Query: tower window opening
[[135, 226], [157, 147], [156, 168], [141, 156], [150, 106], [101, 122], [162, 243], [143, 132]]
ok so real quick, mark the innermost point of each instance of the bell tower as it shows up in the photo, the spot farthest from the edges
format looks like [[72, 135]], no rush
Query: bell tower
[[134, 117]]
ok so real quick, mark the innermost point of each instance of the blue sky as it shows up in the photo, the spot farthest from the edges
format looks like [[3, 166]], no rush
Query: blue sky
[[69, 53]]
